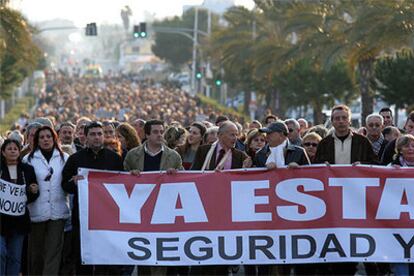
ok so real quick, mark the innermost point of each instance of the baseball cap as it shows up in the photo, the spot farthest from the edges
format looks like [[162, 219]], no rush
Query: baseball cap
[[277, 126]]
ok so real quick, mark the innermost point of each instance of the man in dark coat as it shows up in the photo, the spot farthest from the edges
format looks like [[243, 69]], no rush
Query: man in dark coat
[[94, 156], [343, 146], [221, 155], [277, 135], [223, 148]]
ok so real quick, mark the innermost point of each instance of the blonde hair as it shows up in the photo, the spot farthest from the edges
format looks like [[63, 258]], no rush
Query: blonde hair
[[403, 141], [312, 135], [253, 134]]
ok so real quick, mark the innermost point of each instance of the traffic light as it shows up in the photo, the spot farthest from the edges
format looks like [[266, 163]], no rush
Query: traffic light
[[218, 82], [143, 29], [136, 31], [199, 75], [91, 29]]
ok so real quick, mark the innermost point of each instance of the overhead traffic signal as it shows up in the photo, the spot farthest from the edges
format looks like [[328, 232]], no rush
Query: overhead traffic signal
[[136, 31], [91, 29], [143, 29], [140, 31], [218, 82]]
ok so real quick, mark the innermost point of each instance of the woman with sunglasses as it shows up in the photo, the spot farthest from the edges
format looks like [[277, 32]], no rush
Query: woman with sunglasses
[[49, 213], [310, 142], [255, 141], [13, 229]]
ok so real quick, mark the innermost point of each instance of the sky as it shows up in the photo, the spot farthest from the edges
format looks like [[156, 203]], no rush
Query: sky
[[104, 11]]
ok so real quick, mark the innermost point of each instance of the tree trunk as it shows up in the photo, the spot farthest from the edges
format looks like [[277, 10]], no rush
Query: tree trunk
[[317, 113], [366, 73], [276, 105], [246, 101]]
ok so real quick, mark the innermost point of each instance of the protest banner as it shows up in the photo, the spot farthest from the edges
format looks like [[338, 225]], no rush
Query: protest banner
[[12, 198], [305, 215]]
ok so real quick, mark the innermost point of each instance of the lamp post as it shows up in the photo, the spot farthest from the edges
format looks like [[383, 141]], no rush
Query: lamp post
[[195, 43]]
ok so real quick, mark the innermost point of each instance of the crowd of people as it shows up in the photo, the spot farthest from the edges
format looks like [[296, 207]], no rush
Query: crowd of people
[[123, 126], [122, 97]]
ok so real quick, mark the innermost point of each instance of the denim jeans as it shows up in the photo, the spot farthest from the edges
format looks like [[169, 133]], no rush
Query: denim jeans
[[11, 254], [400, 269]]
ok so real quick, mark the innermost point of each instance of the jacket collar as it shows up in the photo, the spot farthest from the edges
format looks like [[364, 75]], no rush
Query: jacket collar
[[38, 154]]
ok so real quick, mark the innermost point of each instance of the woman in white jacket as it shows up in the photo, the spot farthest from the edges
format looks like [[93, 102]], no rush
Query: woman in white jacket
[[50, 211]]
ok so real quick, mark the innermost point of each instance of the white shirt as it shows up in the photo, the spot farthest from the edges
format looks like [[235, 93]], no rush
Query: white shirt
[[153, 154], [12, 171], [277, 155]]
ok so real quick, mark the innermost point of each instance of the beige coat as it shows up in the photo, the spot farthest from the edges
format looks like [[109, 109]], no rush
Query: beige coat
[[134, 159]]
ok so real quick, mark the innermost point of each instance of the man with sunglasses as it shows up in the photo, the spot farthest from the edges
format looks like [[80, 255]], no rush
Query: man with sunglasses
[[94, 156], [294, 132], [278, 152]]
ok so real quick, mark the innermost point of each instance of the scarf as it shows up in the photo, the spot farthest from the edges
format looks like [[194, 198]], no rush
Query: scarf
[[209, 155]]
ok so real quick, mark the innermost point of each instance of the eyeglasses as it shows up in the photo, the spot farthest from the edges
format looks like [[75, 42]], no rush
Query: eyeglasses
[[49, 175], [310, 144], [291, 129]]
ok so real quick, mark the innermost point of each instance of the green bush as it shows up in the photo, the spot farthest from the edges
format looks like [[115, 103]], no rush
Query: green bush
[[217, 106], [23, 105]]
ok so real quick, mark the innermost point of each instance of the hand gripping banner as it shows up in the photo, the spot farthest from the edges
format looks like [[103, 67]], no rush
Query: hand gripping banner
[[306, 215]]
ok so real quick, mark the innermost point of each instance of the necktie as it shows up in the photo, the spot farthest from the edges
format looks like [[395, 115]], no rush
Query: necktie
[[220, 156]]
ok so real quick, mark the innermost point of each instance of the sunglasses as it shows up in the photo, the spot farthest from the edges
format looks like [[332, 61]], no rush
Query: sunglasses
[[291, 129], [310, 144], [49, 175]]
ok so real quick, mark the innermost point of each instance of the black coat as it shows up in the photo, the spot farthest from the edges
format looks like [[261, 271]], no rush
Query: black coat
[[18, 224], [388, 153], [361, 150], [105, 160]]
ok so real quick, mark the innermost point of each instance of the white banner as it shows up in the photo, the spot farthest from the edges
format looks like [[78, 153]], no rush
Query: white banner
[[247, 247], [12, 198]]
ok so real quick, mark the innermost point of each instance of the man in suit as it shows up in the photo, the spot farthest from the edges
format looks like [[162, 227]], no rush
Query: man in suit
[[221, 155]]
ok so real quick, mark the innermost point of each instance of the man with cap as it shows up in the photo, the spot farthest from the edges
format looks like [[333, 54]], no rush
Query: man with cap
[[279, 151]]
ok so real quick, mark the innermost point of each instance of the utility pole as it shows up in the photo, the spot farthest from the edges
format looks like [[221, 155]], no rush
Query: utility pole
[[208, 69], [195, 43]]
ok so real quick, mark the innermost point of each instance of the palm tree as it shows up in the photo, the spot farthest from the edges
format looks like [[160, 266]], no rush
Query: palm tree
[[232, 48], [358, 31]]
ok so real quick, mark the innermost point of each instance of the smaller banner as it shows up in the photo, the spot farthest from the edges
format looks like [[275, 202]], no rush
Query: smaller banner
[[12, 198]]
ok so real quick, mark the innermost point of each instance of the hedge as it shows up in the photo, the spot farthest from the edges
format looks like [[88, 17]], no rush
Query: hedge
[[23, 105]]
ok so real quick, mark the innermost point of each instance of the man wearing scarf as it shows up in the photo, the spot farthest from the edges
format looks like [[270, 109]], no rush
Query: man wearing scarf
[[221, 155]]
